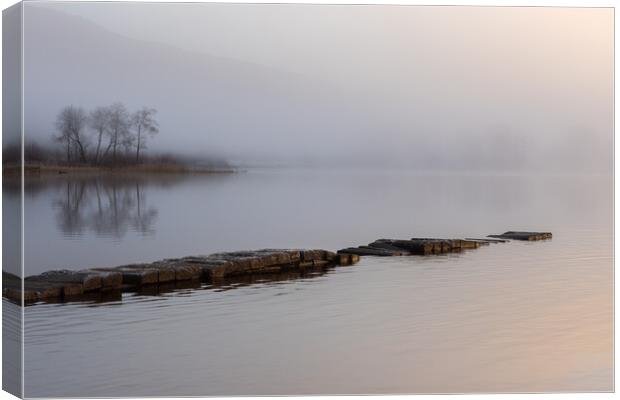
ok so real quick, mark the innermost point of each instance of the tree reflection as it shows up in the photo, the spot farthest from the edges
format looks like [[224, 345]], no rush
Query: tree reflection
[[107, 207]]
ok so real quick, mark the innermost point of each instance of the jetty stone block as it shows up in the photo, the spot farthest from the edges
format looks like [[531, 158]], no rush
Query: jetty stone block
[[528, 236], [41, 290], [139, 274], [110, 278], [311, 255], [367, 251], [344, 259], [165, 271], [88, 281], [186, 271], [211, 268]]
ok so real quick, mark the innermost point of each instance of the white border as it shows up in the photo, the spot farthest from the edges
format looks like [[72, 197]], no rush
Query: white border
[[526, 3]]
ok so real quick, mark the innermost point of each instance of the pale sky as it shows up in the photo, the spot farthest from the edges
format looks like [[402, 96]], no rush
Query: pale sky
[[399, 85]]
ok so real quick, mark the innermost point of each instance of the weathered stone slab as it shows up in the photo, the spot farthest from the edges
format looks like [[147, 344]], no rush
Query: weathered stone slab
[[32, 291], [469, 244], [368, 251], [240, 261], [165, 272], [110, 278], [186, 271], [311, 255], [391, 252], [378, 244], [480, 242], [488, 240], [139, 274], [419, 247], [274, 257], [293, 254], [47, 290], [413, 246], [88, 281], [41, 290], [344, 259], [211, 268], [528, 236]]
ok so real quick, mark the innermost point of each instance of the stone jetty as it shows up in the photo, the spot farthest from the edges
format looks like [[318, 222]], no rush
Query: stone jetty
[[68, 285], [427, 246]]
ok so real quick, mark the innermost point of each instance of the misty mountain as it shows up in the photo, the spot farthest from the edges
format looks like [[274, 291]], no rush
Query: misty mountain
[[423, 112], [206, 104]]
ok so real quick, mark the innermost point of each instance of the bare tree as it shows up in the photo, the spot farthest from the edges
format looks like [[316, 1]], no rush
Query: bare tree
[[127, 142], [99, 121], [144, 122], [118, 128], [125, 132], [70, 123]]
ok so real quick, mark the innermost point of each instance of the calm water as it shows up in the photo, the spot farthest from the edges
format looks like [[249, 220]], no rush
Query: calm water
[[508, 317]]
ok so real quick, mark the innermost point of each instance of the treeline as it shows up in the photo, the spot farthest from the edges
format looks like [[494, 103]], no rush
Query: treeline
[[42, 154], [106, 135]]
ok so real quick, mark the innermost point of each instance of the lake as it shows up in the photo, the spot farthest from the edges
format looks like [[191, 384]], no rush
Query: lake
[[514, 317]]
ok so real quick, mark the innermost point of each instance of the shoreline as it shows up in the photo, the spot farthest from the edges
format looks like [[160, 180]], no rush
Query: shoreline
[[55, 170]]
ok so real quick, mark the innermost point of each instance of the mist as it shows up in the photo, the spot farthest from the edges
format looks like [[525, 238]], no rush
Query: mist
[[429, 88]]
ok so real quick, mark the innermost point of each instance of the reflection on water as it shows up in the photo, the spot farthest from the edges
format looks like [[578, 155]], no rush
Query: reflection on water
[[506, 317], [107, 207], [114, 220]]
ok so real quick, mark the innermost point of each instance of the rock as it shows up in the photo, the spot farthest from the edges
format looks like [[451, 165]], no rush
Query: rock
[[42, 290], [139, 274], [88, 281], [240, 261], [293, 254], [33, 290], [368, 251], [211, 268], [480, 242], [110, 278], [271, 257], [419, 247], [311, 255], [330, 256], [378, 244], [165, 272], [469, 244], [344, 259], [529, 236], [71, 290], [186, 272], [392, 252], [489, 240]]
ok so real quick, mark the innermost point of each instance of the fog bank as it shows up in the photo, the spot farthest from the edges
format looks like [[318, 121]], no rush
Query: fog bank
[[493, 88]]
